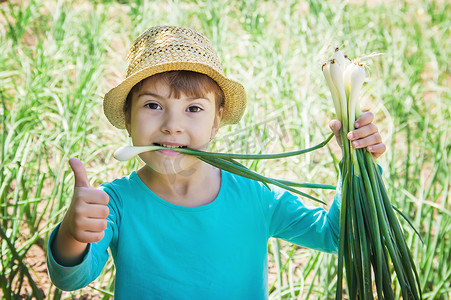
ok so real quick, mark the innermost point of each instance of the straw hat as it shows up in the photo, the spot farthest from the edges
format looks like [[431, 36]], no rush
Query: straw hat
[[167, 48]]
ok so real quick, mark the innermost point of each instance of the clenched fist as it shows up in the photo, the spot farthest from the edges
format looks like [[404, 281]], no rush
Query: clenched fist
[[85, 221]]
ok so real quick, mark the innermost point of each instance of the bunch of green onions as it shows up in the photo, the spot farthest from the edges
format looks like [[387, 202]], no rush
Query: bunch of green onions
[[227, 162], [370, 234]]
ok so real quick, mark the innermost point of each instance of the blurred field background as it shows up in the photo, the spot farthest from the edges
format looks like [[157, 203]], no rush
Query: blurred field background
[[58, 59]]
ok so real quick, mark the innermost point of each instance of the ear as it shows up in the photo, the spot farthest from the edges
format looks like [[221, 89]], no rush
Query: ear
[[127, 126], [128, 123], [217, 121]]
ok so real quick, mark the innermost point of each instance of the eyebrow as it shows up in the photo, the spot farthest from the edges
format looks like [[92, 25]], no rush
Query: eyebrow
[[150, 94], [163, 98]]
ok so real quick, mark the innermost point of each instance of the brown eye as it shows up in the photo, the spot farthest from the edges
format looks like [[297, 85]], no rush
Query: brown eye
[[194, 109], [153, 106]]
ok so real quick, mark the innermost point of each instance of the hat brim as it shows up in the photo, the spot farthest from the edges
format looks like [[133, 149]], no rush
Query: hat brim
[[234, 92]]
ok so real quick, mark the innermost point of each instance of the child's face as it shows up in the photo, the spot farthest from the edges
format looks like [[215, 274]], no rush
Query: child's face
[[157, 118]]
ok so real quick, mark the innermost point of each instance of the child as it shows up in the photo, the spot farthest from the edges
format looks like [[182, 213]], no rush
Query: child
[[179, 228]]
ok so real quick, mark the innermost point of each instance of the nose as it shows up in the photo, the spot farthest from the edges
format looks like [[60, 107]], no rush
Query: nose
[[172, 123]]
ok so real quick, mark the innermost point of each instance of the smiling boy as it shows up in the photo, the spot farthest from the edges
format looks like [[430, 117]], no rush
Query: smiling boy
[[179, 228]]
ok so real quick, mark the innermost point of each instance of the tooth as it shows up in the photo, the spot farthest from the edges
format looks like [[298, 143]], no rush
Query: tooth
[[171, 146]]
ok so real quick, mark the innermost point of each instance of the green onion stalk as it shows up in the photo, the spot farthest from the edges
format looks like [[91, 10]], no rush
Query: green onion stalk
[[371, 241], [228, 162]]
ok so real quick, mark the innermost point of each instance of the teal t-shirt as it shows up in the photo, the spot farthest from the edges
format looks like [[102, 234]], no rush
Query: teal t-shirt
[[216, 251]]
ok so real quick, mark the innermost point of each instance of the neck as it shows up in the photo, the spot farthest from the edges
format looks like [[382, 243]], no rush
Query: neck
[[197, 186]]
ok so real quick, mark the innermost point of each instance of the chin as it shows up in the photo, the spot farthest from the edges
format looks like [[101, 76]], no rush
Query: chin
[[177, 166]]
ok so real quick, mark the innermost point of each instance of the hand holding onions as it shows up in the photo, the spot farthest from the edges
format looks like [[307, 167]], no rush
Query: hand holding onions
[[370, 234]]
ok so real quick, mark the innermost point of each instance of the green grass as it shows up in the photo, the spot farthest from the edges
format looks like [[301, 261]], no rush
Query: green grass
[[58, 59]]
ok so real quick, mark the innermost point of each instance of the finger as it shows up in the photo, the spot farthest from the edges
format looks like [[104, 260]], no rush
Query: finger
[[335, 126], [362, 132], [94, 196], [81, 179], [95, 211], [367, 141], [98, 211], [90, 237], [377, 150], [365, 119], [93, 225]]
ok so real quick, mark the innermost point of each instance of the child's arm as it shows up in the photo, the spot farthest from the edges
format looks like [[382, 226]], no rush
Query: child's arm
[[78, 246], [84, 222], [366, 134]]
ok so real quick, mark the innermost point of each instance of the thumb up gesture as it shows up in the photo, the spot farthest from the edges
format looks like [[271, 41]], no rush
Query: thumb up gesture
[[86, 218]]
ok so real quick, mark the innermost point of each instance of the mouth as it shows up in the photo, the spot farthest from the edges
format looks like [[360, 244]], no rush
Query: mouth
[[169, 151], [169, 146]]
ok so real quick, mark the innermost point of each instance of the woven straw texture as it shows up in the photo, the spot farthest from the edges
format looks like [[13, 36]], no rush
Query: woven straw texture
[[167, 48]]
